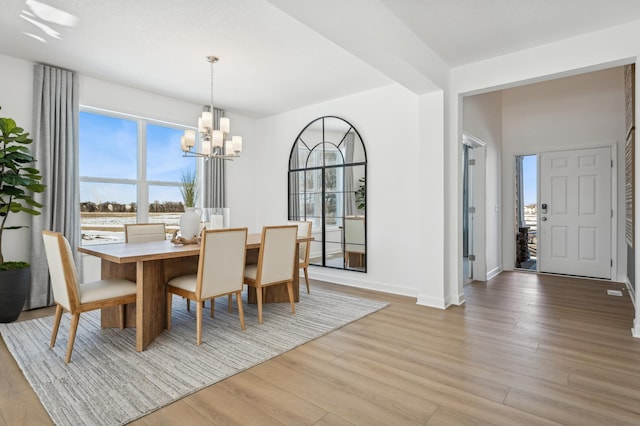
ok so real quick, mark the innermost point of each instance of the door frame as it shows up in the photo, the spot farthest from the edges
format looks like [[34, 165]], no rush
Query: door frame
[[480, 196], [614, 204]]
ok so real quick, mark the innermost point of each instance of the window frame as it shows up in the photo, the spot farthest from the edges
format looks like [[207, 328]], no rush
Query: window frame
[[141, 181]]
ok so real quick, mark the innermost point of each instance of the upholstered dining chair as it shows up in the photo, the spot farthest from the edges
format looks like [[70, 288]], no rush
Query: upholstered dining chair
[[276, 262], [143, 232], [77, 298], [220, 273], [304, 230], [354, 240]]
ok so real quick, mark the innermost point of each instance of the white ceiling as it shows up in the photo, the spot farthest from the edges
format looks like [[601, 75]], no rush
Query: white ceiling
[[278, 55]]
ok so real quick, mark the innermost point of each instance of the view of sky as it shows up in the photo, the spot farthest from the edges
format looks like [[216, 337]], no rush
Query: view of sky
[[109, 149]]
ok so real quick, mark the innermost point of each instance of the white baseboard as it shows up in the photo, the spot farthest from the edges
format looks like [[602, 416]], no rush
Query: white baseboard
[[457, 300], [632, 293], [494, 272], [355, 279], [432, 302], [635, 331]]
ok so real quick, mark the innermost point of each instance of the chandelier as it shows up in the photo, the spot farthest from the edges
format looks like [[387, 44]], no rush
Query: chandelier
[[215, 143]]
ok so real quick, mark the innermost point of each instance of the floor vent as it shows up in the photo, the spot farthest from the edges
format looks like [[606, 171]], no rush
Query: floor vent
[[614, 292]]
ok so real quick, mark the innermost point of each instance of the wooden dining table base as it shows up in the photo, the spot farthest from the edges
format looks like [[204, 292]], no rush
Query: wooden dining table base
[[149, 312]]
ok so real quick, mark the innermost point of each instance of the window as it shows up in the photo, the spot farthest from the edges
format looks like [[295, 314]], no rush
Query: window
[[130, 169]]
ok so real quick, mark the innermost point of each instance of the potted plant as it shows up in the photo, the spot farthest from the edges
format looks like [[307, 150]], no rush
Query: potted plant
[[189, 187], [18, 180], [361, 194], [190, 220]]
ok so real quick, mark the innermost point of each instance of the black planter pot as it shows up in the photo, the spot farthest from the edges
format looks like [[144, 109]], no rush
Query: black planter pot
[[14, 287]]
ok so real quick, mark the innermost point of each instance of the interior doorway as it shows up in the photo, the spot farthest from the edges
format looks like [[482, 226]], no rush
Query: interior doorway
[[526, 199], [474, 265], [468, 212]]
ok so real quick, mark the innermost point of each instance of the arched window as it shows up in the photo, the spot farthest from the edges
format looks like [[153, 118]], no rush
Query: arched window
[[327, 186]]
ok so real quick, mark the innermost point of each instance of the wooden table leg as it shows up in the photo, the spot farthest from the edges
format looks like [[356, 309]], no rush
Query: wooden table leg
[[110, 317], [148, 314], [150, 302]]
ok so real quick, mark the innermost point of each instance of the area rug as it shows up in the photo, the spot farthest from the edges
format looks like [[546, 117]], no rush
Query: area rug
[[109, 383]]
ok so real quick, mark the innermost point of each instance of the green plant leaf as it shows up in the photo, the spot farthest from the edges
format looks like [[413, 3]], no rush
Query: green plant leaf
[[18, 178], [36, 187], [32, 202], [12, 190]]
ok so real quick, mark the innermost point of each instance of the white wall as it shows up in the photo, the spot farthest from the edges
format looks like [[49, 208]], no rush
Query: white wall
[[482, 118], [387, 120], [572, 112], [430, 257], [16, 99], [590, 52], [114, 97]]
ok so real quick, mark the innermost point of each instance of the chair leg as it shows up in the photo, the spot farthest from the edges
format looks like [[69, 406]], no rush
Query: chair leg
[[188, 304], [229, 307], [213, 306], [56, 325], [75, 318], [259, 300], [240, 308], [290, 291], [169, 300], [306, 278], [199, 323]]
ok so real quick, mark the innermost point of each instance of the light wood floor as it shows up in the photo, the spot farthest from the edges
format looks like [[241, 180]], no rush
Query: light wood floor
[[524, 349]]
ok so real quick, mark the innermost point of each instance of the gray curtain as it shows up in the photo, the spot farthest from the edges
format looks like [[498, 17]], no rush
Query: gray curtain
[[215, 194], [349, 184], [56, 111], [294, 185]]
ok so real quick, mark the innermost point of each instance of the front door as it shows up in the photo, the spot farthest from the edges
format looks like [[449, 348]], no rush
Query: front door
[[575, 212]]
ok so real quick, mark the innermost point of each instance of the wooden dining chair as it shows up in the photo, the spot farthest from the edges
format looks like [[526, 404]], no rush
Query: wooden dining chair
[[77, 298], [220, 273], [304, 230], [143, 232], [276, 262]]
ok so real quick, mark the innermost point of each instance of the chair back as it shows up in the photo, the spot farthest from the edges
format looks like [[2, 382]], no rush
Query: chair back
[[143, 232], [277, 254], [354, 234], [304, 230], [62, 269], [221, 264]]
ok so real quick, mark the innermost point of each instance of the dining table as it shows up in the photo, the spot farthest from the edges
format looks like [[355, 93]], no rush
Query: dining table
[[151, 265]]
